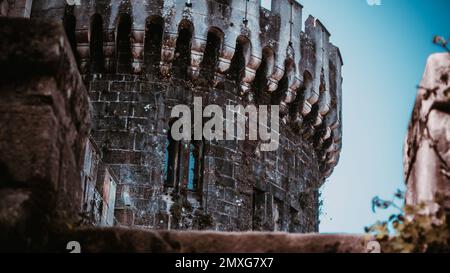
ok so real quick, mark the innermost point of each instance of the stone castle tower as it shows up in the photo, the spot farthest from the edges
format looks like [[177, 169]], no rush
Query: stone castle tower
[[140, 58]]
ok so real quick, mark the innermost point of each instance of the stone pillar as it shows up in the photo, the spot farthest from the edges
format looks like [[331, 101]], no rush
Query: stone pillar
[[44, 122], [427, 145]]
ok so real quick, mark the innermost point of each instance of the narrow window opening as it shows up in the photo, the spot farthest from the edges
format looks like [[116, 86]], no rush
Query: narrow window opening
[[123, 44], [182, 59], [96, 44], [196, 167], [258, 209], [192, 162], [294, 224], [237, 67], [277, 214], [70, 25], [297, 106], [211, 54], [172, 160], [263, 72], [316, 108], [310, 119], [153, 44], [280, 94]]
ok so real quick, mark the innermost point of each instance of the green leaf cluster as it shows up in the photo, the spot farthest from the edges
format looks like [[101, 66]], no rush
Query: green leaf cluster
[[420, 228]]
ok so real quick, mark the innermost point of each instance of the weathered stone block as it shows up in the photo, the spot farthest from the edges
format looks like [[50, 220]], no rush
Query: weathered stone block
[[121, 156], [28, 138], [44, 123], [427, 144]]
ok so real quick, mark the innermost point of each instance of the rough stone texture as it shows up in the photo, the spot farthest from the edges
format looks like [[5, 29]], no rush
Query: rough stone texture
[[44, 130], [126, 240], [427, 147], [44, 121], [140, 58], [15, 8], [99, 188]]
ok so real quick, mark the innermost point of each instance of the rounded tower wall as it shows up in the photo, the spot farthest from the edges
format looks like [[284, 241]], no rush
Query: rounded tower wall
[[153, 55]]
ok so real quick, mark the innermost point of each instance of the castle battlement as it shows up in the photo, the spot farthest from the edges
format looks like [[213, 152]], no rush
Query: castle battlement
[[274, 36], [140, 58]]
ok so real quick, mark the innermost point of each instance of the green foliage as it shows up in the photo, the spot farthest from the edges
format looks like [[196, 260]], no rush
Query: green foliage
[[415, 229], [439, 40]]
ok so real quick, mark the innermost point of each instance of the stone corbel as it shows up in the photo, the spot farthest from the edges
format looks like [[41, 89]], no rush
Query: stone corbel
[[313, 98], [250, 73], [109, 50], [224, 64], [273, 80], [330, 123], [137, 50], [168, 53], [332, 160], [291, 93], [83, 49], [324, 105], [307, 108], [197, 51], [294, 85]]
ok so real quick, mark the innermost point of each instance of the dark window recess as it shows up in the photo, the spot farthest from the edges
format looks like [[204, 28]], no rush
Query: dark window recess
[[182, 59], [196, 166], [172, 161], [175, 162], [264, 71], [123, 44], [96, 44], [278, 215], [237, 66], [311, 118], [297, 104], [258, 209], [260, 83], [211, 55], [294, 223], [153, 45], [70, 25], [280, 94]]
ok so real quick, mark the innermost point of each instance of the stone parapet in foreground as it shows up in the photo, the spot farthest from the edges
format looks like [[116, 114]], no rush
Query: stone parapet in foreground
[[132, 240], [427, 145]]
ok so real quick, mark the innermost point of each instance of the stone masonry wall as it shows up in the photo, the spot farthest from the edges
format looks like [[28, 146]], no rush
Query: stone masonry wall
[[130, 123], [139, 59], [44, 121], [99, 185], [15, 8], [44, 130]]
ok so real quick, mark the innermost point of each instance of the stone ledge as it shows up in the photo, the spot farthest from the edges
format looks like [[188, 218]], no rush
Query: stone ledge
[[132, 240]]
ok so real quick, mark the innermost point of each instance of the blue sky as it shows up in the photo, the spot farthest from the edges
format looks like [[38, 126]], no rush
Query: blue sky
[[384, 50]]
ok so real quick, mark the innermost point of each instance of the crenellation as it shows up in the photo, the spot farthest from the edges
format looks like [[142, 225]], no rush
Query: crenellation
[[320, 95]]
